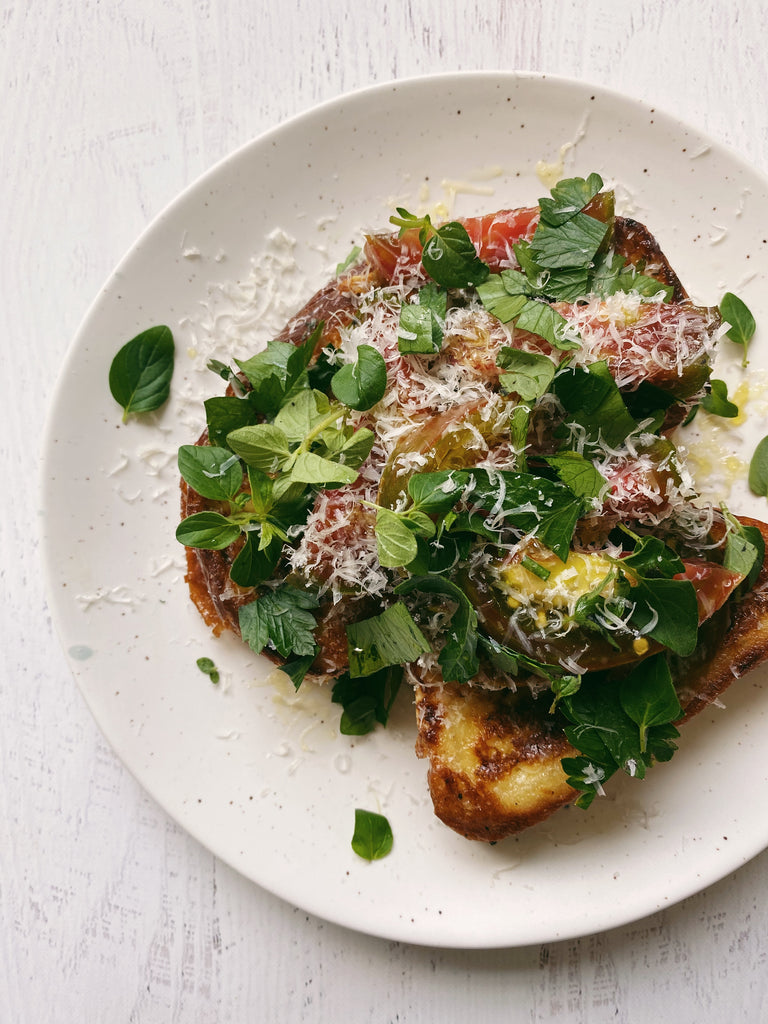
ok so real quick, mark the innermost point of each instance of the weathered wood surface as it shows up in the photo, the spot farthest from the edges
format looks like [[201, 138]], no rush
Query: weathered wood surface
[[108, 910]]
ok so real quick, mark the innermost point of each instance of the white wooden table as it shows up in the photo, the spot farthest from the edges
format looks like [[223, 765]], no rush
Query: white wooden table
[[109, 912]]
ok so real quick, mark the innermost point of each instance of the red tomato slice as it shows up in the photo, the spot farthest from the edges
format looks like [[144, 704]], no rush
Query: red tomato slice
[[394, 258], [665, 344]]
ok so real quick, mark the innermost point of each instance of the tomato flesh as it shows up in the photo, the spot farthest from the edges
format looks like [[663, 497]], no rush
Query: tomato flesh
[[394, 258]]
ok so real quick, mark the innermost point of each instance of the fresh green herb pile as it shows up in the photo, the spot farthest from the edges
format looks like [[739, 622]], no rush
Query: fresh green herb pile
[[296, 425]]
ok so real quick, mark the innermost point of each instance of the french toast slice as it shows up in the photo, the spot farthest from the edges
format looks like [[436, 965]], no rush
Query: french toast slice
[[494, 755]]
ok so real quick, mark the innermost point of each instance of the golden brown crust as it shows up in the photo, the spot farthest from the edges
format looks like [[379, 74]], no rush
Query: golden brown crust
[[213, 593], [335, 305], [494, 759], [636, 244]]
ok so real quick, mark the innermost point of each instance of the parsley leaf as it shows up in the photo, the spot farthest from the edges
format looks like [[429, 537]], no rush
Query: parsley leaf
[[583, 774], [758, 469], [613, 274], [255, 562], [213, 472], [263, 446], [515, 663], [297, 668], [592, 399], [448, 255], [665, 609], [225, 413], [421, 323], [648, 696], [528, 374], [392, 638], [508, 296], [300, 414], [450, 259], [540, 318], [578, 474], [279, 371], [208, 668], [503, 296], [366, 700], [281, 618], [624, 724], [529, 503], [675, 609], [601, 730], [568, 198], [649, 402], [744, 549], [458, 658], [436, 493], [209, 530], [310, 468], [717, 403], [572, 244], [652, 558], [395, 541]]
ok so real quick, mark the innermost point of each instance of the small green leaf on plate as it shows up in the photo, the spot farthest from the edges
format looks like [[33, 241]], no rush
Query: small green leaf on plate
[[208, 668], [758, 470], [742, 324], [372, 838], [140, 374]]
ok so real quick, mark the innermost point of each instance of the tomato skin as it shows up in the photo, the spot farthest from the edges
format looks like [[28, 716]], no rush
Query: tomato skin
[[394, 258], [341, 522], [646, 346], [334, 305], [447, 441], [713, 585], [493, 235]]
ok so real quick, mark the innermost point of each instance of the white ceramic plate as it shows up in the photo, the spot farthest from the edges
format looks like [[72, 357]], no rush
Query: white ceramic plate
[[259, 776]]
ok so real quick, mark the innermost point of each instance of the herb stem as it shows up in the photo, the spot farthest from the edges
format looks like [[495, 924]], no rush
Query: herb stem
[[335, 413]]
